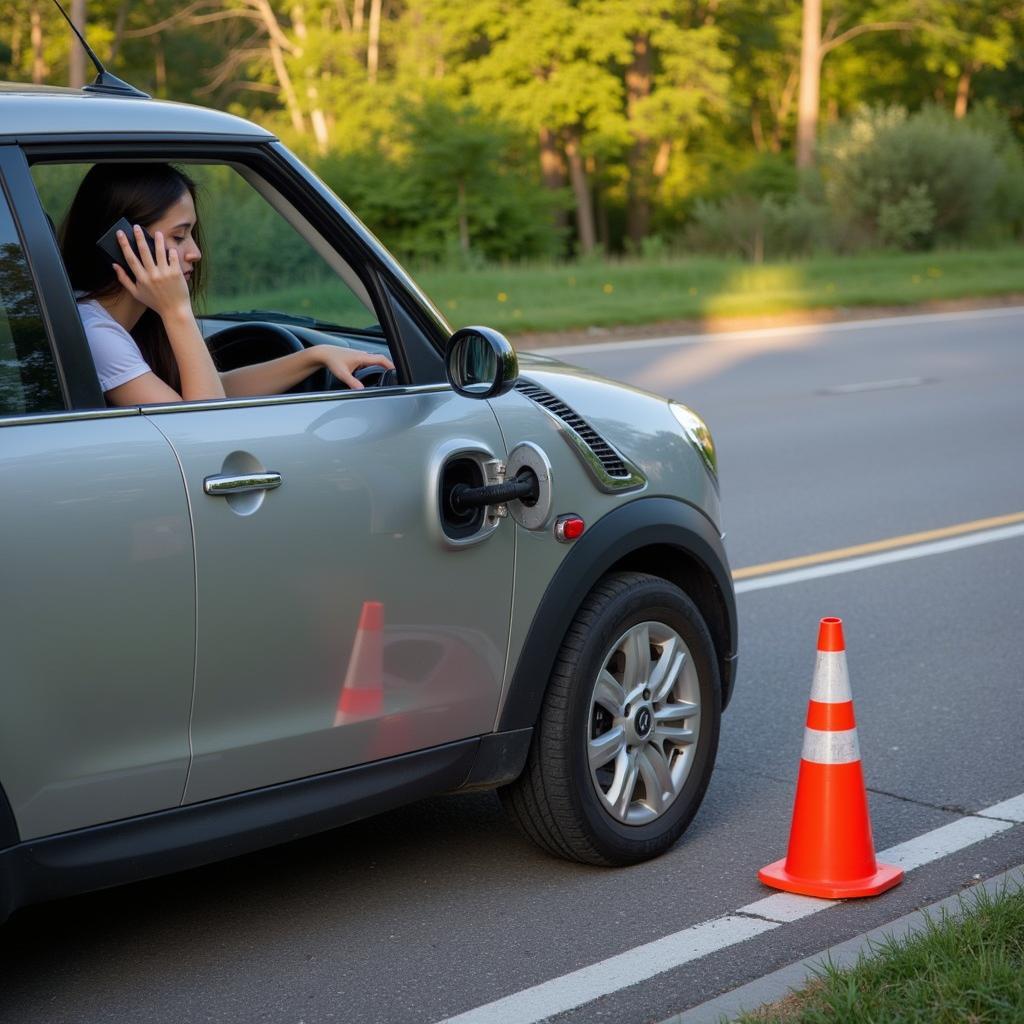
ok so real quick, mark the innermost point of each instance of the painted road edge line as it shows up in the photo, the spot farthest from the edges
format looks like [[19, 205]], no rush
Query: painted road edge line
[[910, 320], [845, 565], [569, 991], [873, 547], [775, 986]]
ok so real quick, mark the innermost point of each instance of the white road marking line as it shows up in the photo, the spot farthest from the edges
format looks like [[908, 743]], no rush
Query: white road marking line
[[629, 968], [786, 906], [875, 385], [568, 991], [1008, 810], [868, 323], [937, 547], [941, 841]]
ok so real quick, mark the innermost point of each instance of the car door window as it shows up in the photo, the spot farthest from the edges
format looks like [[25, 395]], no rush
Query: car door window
[[28, 373], [262, 262]]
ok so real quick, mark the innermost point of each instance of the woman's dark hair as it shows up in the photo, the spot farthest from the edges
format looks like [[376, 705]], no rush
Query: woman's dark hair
[[142, 193]]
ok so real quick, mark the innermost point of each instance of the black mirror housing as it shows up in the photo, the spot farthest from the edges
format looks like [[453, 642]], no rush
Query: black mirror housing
[[481, 363]]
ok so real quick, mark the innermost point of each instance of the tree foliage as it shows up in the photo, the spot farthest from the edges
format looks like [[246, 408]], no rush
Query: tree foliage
[[493, 130]]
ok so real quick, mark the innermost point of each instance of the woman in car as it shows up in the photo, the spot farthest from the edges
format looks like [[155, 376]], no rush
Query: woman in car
[[141, 329]]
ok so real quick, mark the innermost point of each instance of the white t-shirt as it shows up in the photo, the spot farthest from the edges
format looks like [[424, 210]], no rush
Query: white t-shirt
[[117, 357]]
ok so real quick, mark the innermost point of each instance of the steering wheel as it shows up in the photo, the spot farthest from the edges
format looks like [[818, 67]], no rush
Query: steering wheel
[[247, 343]]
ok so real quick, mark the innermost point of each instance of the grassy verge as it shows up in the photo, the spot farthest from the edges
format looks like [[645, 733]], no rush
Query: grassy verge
[[516, 299], [961, 969]]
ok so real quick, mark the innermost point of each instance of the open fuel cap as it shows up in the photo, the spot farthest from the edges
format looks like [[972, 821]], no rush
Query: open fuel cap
[[537, 514]]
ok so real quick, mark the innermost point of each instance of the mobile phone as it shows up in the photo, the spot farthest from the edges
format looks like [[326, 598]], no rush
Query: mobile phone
[[112, 248]]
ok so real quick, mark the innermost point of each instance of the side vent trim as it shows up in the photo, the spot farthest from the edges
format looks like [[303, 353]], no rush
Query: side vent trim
[[611, 470]]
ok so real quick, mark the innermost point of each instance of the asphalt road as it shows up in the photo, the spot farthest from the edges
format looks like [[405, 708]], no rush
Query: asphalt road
[[441, 907]]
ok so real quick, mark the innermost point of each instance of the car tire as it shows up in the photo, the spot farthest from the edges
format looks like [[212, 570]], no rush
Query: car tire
[[636, 805]]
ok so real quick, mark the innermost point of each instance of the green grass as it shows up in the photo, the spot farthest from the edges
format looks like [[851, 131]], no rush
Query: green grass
[[961, 969], [516, 299]]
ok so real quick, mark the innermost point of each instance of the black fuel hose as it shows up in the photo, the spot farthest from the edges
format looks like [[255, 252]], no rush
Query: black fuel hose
[[524, 488]]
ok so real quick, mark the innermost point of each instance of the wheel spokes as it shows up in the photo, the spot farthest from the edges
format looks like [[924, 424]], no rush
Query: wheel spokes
[[667, 670], [620, 793], [610, 694], [636, 650], [657, 777], [677, 735], [603, 748], [677, 712]]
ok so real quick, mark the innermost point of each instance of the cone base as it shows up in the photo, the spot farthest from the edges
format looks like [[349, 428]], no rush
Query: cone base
[[778, 877]]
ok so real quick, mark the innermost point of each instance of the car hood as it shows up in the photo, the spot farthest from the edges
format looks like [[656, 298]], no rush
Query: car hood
[[638, 423]]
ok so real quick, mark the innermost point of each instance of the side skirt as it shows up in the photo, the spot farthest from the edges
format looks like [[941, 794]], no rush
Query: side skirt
[[186, 837]]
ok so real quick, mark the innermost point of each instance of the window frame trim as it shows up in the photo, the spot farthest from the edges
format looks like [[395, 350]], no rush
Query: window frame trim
[[65, 335], [283, 172]]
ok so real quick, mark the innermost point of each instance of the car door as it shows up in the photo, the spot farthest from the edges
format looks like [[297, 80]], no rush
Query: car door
[[97, 592], [338, 624]]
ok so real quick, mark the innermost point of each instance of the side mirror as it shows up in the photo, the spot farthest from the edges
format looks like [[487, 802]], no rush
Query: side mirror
[[481, 363]]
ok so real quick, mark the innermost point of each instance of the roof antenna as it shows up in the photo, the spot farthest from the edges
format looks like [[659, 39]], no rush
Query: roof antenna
[[105, 81]]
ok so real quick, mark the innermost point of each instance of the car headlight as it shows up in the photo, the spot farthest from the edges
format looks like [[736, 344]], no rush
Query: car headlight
[[697, 433]]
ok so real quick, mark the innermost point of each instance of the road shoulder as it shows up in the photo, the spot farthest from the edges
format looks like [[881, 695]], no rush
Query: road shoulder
[[719, 325], [775, 986]]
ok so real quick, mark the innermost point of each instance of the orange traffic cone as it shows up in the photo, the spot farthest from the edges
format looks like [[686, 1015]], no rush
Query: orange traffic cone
[[831, 852], [362, 692]]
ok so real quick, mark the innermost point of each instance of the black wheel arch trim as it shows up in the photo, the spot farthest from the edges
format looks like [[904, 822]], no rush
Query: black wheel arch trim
[[646, 524]]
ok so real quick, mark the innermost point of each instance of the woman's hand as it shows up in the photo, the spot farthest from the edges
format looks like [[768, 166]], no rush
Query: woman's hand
[[341, 362], [159, 282]]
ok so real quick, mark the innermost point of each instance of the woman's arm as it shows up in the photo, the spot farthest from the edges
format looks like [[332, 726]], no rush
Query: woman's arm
[[277, 375], [160, 285]]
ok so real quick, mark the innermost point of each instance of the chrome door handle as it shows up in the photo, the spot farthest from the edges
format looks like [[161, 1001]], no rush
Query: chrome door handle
[[225, 484]]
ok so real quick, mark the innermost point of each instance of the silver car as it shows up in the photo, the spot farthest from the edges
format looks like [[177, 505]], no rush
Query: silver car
[[232, 622]]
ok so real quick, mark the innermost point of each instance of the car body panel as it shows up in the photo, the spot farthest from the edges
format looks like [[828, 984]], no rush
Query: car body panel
[[99, 623], [283, 576], [29, 111]]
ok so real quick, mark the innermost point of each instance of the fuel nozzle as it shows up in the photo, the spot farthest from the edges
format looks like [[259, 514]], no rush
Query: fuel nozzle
[[524, 487]]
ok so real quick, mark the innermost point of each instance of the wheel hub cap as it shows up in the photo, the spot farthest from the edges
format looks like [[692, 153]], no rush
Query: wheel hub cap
[[644, 723]]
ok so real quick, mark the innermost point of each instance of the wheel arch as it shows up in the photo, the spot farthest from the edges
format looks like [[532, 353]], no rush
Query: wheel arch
[[679, 566], [663, 536]]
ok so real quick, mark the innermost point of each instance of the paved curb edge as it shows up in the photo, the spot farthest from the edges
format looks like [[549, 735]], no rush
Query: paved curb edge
[[779, 984]]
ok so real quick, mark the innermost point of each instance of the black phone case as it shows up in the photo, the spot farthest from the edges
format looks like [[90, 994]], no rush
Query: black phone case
[[110, 245]]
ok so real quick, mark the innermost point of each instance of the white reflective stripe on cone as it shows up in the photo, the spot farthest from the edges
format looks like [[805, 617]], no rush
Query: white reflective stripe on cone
[[823, 747], [831, 683]]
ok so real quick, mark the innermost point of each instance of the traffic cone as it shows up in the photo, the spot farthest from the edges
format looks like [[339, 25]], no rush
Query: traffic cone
[[831, 852], [362, 692]]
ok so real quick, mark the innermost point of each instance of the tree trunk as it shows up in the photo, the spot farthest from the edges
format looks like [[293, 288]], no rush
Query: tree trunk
[[274, 35], [373, 41], [316, 113], [77, 56], [638, 86], [963, 94], [552, 172], [160, 62], [16, 44], [662, 158], [119, 23], [581, 193], [39, 68], [463, 219], [810, 84]]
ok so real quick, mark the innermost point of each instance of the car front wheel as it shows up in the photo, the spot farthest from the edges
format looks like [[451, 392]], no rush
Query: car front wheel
[[627, 735]]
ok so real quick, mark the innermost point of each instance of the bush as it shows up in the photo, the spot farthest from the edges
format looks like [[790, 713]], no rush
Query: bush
[[756, 228], [914, 181]]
